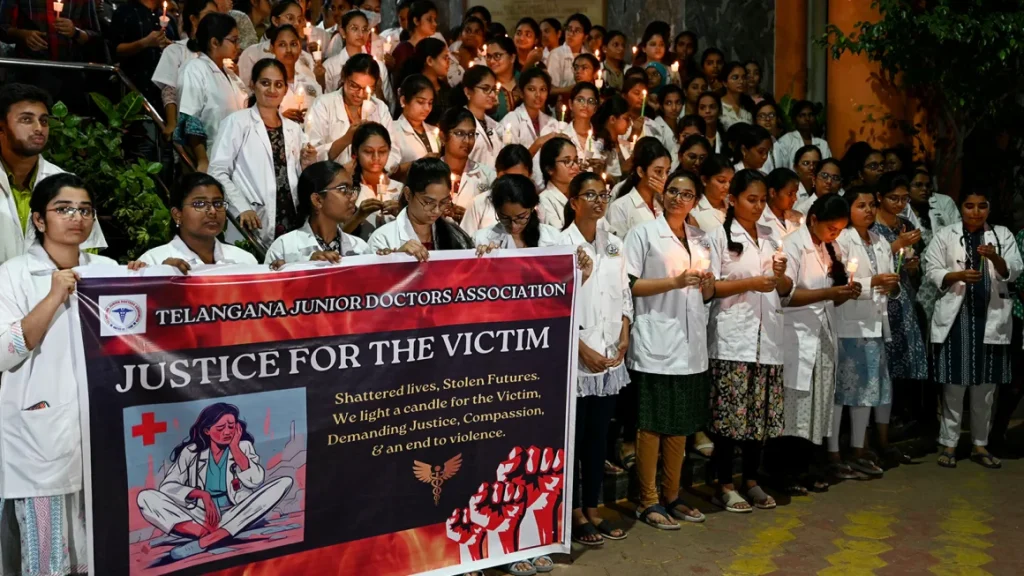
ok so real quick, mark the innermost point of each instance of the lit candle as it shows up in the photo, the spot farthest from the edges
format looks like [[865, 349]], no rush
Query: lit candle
[[308, 29], [643, 105], [472, 63], [634, 51], [599, 81], [852, 266], [387, 45], [604, 177], [317, 55], [899, 260], [597, 54], [675, 67], [164, 20], [563, 113], [301, 99], [58, 7], [369, 93], [780, 253], [506, 138], [226, 63], [437, 139], [382, 188], [590, 139], [483, 51]]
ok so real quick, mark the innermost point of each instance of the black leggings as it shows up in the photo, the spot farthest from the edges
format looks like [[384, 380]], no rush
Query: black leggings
[[724, 453], [593, 414]]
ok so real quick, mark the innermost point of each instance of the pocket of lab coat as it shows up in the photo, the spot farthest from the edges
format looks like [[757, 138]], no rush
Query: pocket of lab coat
[[659, 339], [45, 435]]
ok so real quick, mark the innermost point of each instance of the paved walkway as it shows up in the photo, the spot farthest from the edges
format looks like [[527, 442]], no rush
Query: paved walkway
[[919, 519]]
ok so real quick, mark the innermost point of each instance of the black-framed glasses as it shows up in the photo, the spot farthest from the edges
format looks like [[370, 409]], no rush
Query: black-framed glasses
[[574, 30], [431, 205], [68, 212], [345, 189], [489, 90], [584, 101], [520, 219], [495, 56], [463, 135], [569, 162], [201, 205], [684, 195], [768, 116], [901, 199], [593, 197]]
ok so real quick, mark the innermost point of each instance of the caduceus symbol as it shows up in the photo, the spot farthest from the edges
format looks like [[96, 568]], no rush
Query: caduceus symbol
[[436, 475]]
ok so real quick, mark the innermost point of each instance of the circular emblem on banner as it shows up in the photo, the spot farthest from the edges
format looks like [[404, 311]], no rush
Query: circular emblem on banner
[[122, 315]]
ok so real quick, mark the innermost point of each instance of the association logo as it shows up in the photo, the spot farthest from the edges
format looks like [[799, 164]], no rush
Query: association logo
[[437, 475], [122, 315]]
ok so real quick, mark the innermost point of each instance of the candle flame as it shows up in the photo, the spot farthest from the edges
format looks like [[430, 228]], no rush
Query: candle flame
[[597, 54], [675, 66], [634, 50]]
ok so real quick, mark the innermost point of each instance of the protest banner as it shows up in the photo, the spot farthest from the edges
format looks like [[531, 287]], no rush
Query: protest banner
[[378, 415]]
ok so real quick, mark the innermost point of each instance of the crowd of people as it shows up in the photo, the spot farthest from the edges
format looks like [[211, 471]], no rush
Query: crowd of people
[[743, 287]]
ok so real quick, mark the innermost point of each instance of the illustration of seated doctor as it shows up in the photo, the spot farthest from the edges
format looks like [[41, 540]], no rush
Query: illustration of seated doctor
[[215, 486]]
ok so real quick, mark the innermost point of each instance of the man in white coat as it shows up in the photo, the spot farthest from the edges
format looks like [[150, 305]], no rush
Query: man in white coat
[[24, 131]]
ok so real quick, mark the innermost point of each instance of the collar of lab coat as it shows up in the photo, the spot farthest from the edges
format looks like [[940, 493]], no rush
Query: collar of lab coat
[[257, 120], [43, 170], [802, 236], [346, 244], [40, 261], [405, 230], [638, 202], [600, 236], [764, 232], [692, 232], [218, 252], [405, 126]]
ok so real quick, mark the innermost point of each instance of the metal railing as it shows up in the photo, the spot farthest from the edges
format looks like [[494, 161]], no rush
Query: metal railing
[[153, 114]]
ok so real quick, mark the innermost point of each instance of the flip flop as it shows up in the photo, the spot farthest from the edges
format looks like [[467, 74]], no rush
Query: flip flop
[[947, 459], [842, 471], [760, 499], [987, 460], [695, 516], [610, 469], [645, 516], [511, 569], [865, 466], [729, 501], [547, 564], [608, 531], [588, 529]]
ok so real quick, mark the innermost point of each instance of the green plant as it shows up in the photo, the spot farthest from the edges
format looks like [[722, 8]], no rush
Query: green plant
[[962, 58], [125, 189], [786, 105]]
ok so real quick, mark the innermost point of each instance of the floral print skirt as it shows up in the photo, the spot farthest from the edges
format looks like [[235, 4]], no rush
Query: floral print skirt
[[747, 400]]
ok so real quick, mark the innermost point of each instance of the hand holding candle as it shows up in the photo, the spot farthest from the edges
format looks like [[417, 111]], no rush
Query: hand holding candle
[[899, 259], [851, 267], [164, 20], [599, 81], [58, 7]]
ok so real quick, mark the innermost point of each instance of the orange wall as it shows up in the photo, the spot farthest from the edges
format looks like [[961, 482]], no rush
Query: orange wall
[[791, 48]]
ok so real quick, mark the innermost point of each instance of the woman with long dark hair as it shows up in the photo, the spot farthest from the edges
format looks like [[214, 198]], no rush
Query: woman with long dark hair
[[174, 57], [782, 193], [378, 194], [469, 178], [716, 173], [559, 164], [828, 179], [528, 124], [639, 195], [229, 495], [734, 78], [513, 159], [355, 30], [514, 199]]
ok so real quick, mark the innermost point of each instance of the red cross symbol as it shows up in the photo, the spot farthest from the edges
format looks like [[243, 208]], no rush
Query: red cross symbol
[[148, 429]]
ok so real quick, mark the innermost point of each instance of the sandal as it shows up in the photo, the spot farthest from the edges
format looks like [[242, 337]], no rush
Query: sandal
[[947, 459], [695, 516], [987, 460], [645, 516], [581, 531], [894, 457], [610, 469], [760, 498], [865, 466], [731, 501], [842, 471], [816, 483], [629, 461], [609, 532], [543, 564], [511, 569], [707, 449]]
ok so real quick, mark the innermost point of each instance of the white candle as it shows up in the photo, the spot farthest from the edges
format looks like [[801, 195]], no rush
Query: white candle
[[308, 30], [471, 64], [226, 63], [437, 139], [58, 7], [164, 20], [597, 54], [590, 139], [506, 138], [317, 55], [387, 45], [301, 99], [604, 177], [675, 67], [852, 266], [483, 51]]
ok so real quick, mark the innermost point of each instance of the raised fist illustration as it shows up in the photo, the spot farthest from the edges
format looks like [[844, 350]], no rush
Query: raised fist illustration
[[468, 535], [499, 508]]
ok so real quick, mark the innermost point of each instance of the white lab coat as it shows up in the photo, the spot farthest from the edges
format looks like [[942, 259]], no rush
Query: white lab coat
[[15, 240], [408, 145], [559, 64], [329, 40], [396, 233], [604, 299], [496, 234], [868, 315], [707, 216], [488, 141], [786, 146], [475, 180], [176, 248], [262, 51], [243, 162], [667, 137], [302, 91], [552, 206], [783, 227], [42, 449], [479, 215], [172, 59], [746, 327], [210, 95], [942, 211], [327, 121], [669, 333], [630, 211], [946, 254], [519, 126], [808, 268], [804, 205], [394, 190], [333, 77], [299, 245]]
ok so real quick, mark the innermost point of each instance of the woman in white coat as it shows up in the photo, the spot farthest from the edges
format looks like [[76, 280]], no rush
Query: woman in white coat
[[716, 174], [326, 200], [973, 265], [782, 192], [754, 149], [611, 124], [259, 156], [355, 29], [513, 159], [209, 91], [528, 125], [828, 179], [803, 115], [668, 263], [745, 342], [604, 311], [709, 108], [862, 375], [479, 93], [639, 197], [174, 57], [514, 199], [378, 195], [410, 134], [559, 164], [284, 13], [420, 227], [198, 216], [41, 468], [469, 178], [820, 282], [302, 87]]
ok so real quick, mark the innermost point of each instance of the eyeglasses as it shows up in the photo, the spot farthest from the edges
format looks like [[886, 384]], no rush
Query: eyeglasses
[[807, 163], [573, 31], [685, 195], [826, 177], [696, 158], [431, 205], [355, 29], [584, 101], [356, 88], [873, 166], [463, 135], [919, 185], [898, 199], [489, 90], [569, 162], [768, 116], [201, 205], [68, 212], [521, 219], [495, 56], [345, 189], [232, 39], [593, 197]]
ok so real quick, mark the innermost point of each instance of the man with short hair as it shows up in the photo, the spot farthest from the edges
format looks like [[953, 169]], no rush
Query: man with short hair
[[24, 131]]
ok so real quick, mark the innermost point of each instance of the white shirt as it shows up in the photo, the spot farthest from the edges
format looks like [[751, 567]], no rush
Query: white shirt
[[455, 69], [242, 160], [496, 234], [868, 315], [942, 211], [669, 333], [299, 245], [604, 299], [488, 141], [302, 91], [327, 121], [210, 95], [518, 125], [559, 64], [475, 180], [946, 254], [808, 268], [262, 51], [42, 449], [804, 204], [731, 116], [552, 206], [783, 227], [786, 147], [171, 61], [664, 134], [391, 192], [479, 215], [176, 248], [706, 215], [329, 40], [745, 327], [409, 146], [333, 77], [15, 240], [630, 211], [396, 233]]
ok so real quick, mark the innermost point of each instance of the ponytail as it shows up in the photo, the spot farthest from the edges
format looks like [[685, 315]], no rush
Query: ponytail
[[647, 150], [837, 271], [575, 187], [827, 208], [730, 215]]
